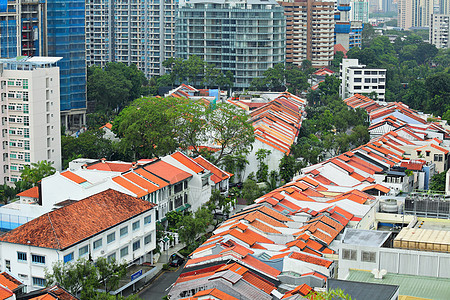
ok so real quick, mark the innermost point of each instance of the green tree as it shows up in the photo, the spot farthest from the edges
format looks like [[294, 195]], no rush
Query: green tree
[[437, 182], [335, 63], [263, 168], [287, 167], [368, 34], [173, 219], [251, 190], [114, 86], [231, 130], [34, 173], [193, 225], [145, 127], [85, 277], [329, 295], [7, 193]]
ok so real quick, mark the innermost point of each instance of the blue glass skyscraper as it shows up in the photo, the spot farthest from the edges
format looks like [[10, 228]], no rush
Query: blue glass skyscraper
[[66, 39]]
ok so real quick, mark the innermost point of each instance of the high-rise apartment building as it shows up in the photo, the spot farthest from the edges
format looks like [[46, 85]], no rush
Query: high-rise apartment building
[[65, 23], [22, 28], [245, 37], [30, 124], [50, 28], [414, 13], [359, 10], [131, 32], [439, 30], [309, 31], [444, 7]]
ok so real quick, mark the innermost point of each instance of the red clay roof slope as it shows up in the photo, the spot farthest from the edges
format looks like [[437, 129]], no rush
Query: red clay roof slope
[[71, 224]]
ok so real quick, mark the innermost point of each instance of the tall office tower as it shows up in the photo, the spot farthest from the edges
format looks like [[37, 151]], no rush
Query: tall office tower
[[65, 23], [309, 31], [140, 33], [245, 37], [439, 30], [414, 13], [359, 11], [31, 132], [22, 28]]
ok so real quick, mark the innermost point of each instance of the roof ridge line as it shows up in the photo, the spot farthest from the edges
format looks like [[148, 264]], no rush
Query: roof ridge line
[[54, 232]]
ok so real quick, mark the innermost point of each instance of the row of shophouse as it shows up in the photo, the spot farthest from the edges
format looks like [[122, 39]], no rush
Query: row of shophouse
[[339, 224]]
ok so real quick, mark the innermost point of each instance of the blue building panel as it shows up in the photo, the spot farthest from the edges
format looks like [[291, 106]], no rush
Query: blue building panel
[[66, 39], [8, 38]]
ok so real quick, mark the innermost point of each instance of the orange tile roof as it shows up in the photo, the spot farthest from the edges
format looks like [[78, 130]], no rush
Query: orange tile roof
[[311, 259], [302, 290], [188, 162], [132, 187], [258, 282], [166, 171], [53, 293], [73, 223], [141, 182], [9, 281], [110, 166], [379, 187], [263, 227], [5, 293], [74, 177], [153, 178], [107, 125], [215, 293], [260, 266], [31, 193], [220, 175]]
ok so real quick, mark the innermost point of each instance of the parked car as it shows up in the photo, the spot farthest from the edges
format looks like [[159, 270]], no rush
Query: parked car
[[177, 262]]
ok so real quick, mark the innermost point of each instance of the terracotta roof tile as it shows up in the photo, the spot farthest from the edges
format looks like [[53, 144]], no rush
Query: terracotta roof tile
[[5, 293], [258, 282], [31, 193], [73, 223], [74, 177], [131, 186], [260, 266], [221, 175], [311, 259], [54, 292], [218, 294], [141, 182], [188, 162], [110, 166], [167, 172], [9, 281]]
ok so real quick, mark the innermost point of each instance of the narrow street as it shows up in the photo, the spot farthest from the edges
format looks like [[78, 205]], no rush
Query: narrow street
[[159, 288]]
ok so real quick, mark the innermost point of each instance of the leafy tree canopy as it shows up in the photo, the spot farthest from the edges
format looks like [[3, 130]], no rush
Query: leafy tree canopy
[[36, 171], [114, 86]]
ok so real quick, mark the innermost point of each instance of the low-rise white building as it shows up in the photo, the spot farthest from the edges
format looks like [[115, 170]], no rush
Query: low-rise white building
[[358, 79], [30, 109], [109, 224]]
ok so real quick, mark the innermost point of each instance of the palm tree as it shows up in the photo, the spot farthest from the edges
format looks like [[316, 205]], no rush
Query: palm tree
[[34, 173]]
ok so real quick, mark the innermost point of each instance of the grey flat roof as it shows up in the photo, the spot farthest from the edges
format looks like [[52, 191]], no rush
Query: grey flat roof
[[371, 238], [363, 290]]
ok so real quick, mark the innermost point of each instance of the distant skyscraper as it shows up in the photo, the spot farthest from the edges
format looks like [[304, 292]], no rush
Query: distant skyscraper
[[346, 33], [414, 13], [140, 33], [244, 37], [310, 31], [65, 23], [359, 11]]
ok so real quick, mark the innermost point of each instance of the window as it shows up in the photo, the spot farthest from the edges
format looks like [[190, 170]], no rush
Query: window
[[357, 87], [21, 256], [123, 231], [111, 237], [148, 239], [124, 252], [147, 220], [348, 254], [39, 281], [428, 153], [136, 245], [38, 259], [68, 257], [368, 256], [357, 79], [8, 265], [112, 257], [98, 243], [136, 225], [83, 251], [438, 157]]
